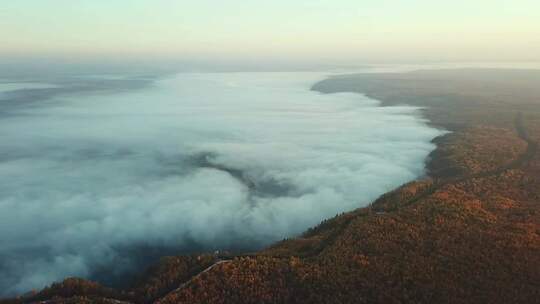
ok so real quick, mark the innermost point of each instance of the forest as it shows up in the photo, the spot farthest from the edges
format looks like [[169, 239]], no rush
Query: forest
[[468, 232]]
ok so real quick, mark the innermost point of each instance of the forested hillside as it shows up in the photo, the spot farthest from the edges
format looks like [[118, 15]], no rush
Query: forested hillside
[[469, 232]]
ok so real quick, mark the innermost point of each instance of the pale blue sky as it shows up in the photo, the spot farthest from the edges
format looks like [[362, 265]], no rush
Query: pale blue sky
[[339, 30]]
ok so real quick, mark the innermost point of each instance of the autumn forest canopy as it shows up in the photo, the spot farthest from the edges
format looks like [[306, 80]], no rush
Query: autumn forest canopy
[[474, 218]]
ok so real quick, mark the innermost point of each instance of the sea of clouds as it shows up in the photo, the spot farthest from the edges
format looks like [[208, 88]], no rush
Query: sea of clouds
[[90, 183]]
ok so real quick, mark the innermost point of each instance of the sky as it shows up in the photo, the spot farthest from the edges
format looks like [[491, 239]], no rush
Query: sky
[[334, 31]]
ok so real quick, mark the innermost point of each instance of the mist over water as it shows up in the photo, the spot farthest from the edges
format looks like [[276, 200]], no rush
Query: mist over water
[[187, 163]]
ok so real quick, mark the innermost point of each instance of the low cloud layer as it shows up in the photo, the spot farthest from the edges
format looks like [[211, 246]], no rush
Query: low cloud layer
[[194, 162]]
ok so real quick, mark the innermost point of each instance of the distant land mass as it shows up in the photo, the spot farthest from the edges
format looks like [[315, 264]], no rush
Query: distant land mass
[[469, 232]]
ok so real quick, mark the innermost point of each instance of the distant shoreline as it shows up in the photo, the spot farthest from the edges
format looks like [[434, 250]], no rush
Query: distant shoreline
[[451, 99]]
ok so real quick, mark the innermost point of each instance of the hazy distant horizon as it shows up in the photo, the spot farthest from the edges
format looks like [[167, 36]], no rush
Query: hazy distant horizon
[[36, 68], [332, 32]]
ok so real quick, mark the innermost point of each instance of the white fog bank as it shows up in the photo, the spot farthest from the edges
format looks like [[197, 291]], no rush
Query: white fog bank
[[206, 161]]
